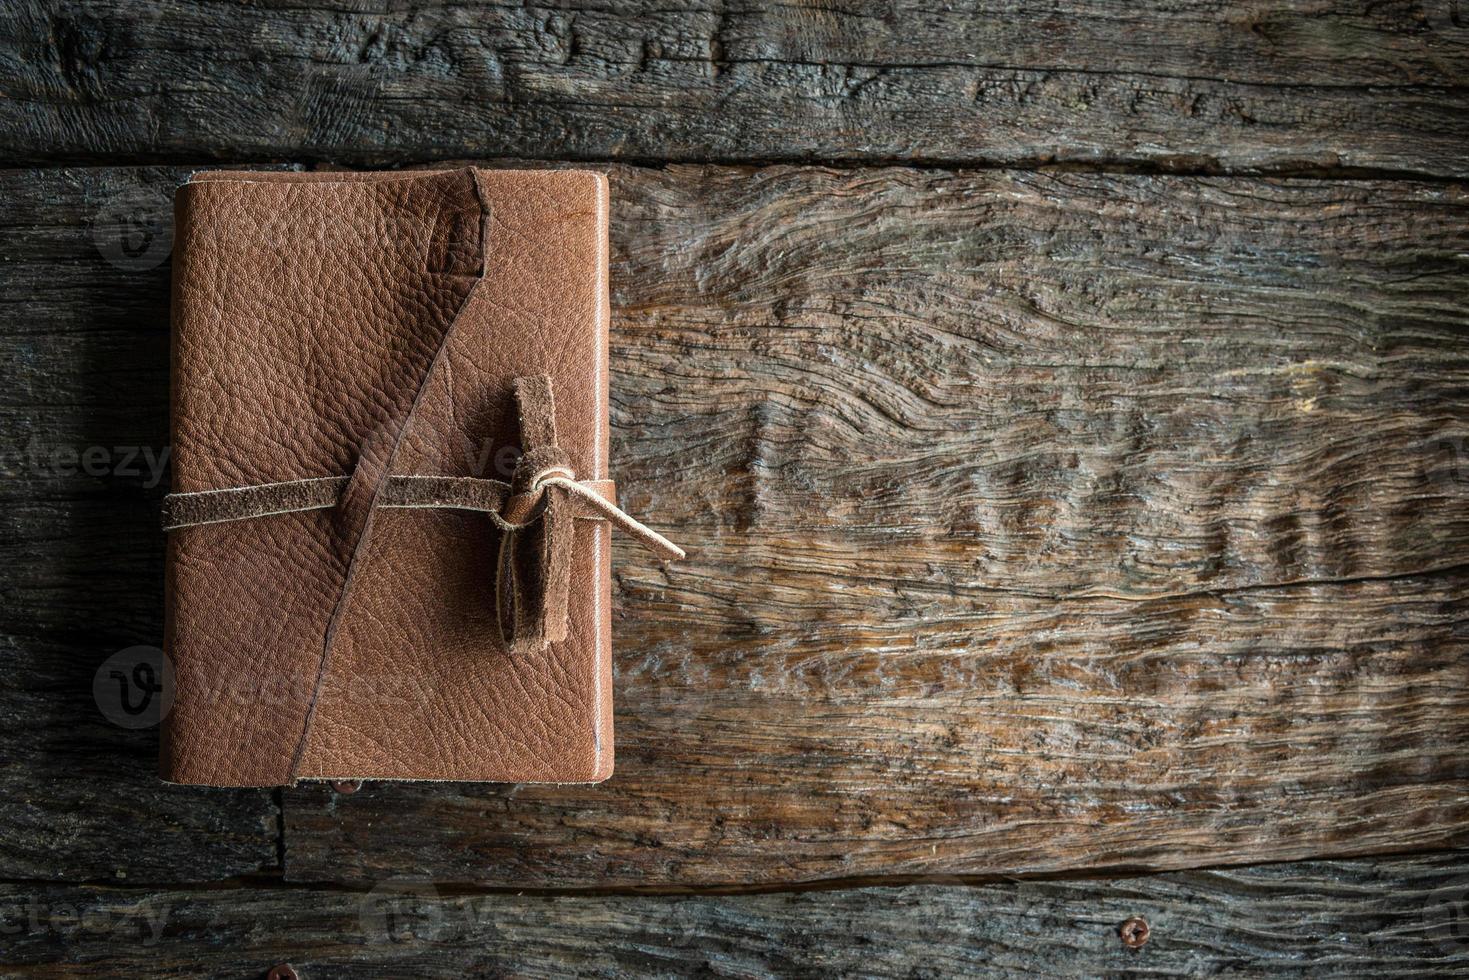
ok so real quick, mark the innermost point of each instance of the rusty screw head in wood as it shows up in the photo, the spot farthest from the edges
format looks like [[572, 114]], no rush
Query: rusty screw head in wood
[[282, 971], [347, 786], [1134, 932]]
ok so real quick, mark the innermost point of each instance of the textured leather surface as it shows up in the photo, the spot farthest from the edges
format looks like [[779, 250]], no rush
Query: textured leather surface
[[311, 313]]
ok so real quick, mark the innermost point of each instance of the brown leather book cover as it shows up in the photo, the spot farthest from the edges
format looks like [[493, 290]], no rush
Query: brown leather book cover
[[389, 528]]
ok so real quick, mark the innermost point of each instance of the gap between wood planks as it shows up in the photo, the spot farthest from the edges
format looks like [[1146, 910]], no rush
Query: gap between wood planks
[[1183, 166], [276, 881]]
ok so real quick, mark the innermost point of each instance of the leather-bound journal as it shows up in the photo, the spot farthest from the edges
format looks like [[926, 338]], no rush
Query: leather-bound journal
[[388, 532]]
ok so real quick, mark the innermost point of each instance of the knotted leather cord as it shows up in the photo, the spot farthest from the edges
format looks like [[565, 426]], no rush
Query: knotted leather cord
[[535, 513], [533, 570]]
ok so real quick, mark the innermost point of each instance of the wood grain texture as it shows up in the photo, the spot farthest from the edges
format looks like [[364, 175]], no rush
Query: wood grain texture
[[1203, 86], [1388, 918], [84, 365], [1038, 522]]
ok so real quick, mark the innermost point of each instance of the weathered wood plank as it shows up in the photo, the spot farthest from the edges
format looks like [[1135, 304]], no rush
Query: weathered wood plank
[[1020, 738], [1388, 918], [1039, 522], [85, 354], [1200, 86]]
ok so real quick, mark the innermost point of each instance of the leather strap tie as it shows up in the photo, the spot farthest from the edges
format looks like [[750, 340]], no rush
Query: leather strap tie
[[533, 572], [535, 513]]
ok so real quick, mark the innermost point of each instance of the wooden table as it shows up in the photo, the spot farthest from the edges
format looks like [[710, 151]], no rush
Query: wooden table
[[1066, 408]]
